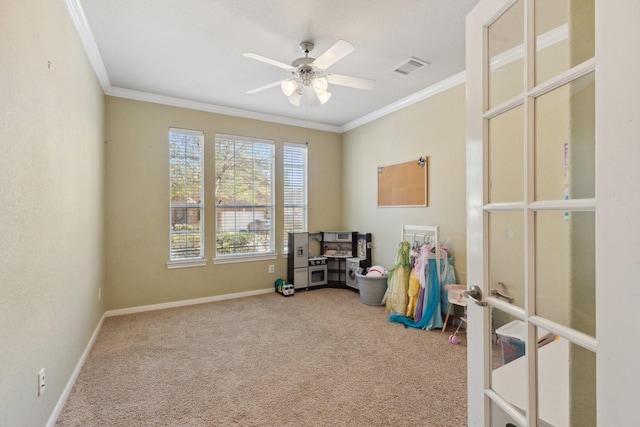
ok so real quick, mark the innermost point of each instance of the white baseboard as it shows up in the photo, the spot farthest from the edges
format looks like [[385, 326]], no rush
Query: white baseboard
[[143, 308], [110, 313], [72, 380]]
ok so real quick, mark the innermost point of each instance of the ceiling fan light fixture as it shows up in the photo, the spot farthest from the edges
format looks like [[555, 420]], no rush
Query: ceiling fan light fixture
[[320, 85], [323, 97], [289, 86], [310, 73], [296, 97]]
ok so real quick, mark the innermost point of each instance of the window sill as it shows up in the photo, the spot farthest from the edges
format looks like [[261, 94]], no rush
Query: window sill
[[201, 262], [231, 259]]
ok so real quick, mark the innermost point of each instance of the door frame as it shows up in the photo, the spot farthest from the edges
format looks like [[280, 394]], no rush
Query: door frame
[[617, 224]]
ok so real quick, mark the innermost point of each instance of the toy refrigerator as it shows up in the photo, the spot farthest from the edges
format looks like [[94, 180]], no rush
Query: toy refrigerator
[[298, 260]]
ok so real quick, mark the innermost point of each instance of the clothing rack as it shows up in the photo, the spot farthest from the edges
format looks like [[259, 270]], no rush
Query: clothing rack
[[423, 231]]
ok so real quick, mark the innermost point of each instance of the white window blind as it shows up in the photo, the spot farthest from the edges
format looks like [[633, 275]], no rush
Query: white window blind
[[244, 196], [186, 238], [295, 189]]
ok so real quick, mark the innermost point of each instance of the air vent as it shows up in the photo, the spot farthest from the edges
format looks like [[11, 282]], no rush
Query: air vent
[[409, 66]]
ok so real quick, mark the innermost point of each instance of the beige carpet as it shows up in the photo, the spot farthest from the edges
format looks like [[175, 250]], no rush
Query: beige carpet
[[318, 358]]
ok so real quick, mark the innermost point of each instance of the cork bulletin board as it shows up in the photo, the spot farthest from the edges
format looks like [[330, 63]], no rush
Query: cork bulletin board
[[403, 184]]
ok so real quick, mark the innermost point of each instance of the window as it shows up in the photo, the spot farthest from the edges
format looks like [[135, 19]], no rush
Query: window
[[295, 190], [186, 239], [244, 196]]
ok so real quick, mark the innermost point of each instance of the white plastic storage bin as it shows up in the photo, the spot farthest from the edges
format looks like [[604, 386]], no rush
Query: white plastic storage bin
[[512, 339]]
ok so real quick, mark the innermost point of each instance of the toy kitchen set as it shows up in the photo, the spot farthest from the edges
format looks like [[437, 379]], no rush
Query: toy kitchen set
[[327, 259]]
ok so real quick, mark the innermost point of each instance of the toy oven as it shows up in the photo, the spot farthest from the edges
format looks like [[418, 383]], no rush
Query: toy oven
[[317, 275]]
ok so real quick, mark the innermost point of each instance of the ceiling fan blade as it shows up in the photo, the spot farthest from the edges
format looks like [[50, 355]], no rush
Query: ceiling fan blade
[[270, 85], [268, 60], [335, 53], [355, 82]]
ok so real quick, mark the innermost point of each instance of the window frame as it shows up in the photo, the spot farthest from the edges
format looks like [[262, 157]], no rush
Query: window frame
[[200, 260], [269, 207]]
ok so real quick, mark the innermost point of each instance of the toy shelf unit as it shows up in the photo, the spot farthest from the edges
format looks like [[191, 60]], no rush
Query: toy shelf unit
[[345, 252]]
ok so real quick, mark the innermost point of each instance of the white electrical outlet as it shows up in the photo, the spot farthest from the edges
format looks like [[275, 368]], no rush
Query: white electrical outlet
[[272, 269], [41, 382]]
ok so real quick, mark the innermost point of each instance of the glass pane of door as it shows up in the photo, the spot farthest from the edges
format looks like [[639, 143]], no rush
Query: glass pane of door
[[508, 364], [506, 254], [499, 418], [565, 36], [566, 384], [565, 268], [506, 156], [565, 141], [506, 48]]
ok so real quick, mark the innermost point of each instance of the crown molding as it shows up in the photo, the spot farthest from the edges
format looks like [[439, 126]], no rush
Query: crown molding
[[432, 90], [212, 108], [79, 19], [543, 41]]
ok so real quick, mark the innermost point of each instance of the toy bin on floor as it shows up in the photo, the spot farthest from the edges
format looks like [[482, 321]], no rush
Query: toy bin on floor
[[512, 339], [372, 288]]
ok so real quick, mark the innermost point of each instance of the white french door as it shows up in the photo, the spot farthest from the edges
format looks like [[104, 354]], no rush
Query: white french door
[[543, 226]]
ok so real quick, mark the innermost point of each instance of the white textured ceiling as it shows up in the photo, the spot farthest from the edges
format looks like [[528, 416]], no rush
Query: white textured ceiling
[[192, 50]]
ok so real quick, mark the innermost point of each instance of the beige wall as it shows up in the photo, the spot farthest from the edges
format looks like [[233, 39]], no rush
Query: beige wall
[[342, 191], [434, 127], [138, 202], [51, 169]]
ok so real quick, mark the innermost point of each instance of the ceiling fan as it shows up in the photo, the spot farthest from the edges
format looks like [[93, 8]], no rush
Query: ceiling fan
[[311, 73]]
